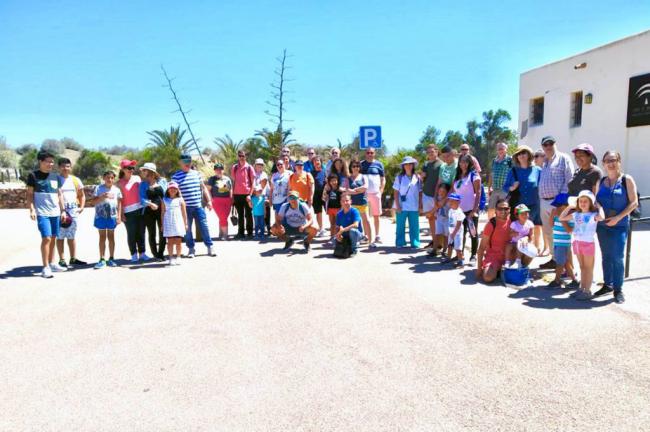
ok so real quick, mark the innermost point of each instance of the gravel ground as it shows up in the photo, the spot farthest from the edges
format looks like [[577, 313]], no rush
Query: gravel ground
[[258, 340]]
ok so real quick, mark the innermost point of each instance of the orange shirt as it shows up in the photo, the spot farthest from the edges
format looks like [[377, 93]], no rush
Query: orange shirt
[[301, 184]]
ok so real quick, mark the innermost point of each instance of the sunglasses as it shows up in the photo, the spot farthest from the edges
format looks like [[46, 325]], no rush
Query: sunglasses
[[355, 166], [503, 208], [279, 165], [130, 168], [548, 144], [370, 152], [610, 161], [241, 156]]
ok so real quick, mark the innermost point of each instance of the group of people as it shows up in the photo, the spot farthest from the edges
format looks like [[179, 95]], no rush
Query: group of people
[[531, 198]]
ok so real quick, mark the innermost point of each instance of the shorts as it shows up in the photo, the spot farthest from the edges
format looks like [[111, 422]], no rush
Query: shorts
[[493, 259], [48, 225], [105, 223], [561, 254], [442, 226], [69, 232], [457, 241], [293, 232], [374, 203], [495, 196], [427, 203], [584, 248], [363, 209], [333, 211], [317, 202]]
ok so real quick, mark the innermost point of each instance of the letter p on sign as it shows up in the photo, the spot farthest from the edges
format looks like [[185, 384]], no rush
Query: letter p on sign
[[370, 136]]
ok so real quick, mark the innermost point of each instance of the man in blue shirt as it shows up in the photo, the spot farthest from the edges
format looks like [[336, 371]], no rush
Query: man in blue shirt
[[348, 220]]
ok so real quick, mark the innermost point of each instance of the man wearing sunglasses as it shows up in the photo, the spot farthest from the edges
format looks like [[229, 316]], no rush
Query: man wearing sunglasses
[[309, 164], [334, 154], [491, 253], [294, 220], [376, 181], [557, 172]]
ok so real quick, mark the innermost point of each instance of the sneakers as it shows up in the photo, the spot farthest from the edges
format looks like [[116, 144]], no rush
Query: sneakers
[[63, 264], [211, 252], [364, 239], [432, 253], [583, 295], [134, 258], [372, 245], [171, 261], [177, 261], [100, 264], [472, 260], [574, 284], [322, 233], [57, 268], [144, 257], [191, 253], [287, 245], [549, 265], [47, 273], [619, 297], [378, 240], [77, 262], [606, 289], [555, 284], [111, 263]]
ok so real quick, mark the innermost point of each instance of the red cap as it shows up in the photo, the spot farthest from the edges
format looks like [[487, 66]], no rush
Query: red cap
[[127, 163]]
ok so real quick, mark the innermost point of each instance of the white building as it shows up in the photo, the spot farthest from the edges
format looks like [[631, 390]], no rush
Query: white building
[[601, 96]]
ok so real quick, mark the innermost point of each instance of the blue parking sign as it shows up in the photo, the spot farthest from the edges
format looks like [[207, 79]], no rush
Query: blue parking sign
[[370, 136]]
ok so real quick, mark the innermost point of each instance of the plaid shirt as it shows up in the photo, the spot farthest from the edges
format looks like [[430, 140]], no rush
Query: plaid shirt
[[500, 169], [555, 176]]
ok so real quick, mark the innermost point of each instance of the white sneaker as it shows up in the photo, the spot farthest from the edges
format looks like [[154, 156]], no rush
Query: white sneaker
[[322, 233], [211, 252], [373, 245], [177, 261], [190, 253], [171, 261], [378, 240], [144, 257], [47, 273], [134, 258], [57, 268]]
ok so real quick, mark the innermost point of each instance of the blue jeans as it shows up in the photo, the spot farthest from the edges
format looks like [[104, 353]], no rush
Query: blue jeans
[[354, 235], [259, 224], [199, 214], [414, 228], [612, 247]]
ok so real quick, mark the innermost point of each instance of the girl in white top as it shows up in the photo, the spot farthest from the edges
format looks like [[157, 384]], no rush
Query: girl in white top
[[174, 222], [585, 212]]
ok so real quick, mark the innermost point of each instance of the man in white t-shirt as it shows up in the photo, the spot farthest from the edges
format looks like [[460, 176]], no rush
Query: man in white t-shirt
[[74, 201], [294, 220], [374, 172]]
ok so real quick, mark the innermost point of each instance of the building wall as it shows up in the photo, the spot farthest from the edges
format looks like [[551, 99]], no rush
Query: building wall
[[606, 77]]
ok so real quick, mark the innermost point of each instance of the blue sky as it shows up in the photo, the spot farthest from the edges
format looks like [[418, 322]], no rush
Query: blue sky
[[91, 69]]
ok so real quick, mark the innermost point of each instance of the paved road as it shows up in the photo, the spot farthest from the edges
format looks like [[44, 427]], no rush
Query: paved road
[[255, 340]]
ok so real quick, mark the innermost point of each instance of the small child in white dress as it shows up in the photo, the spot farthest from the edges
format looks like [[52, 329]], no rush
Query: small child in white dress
[[521, 229], [174, 221]]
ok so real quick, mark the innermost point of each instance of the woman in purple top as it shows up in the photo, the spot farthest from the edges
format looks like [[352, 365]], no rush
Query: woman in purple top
[[468, 185]]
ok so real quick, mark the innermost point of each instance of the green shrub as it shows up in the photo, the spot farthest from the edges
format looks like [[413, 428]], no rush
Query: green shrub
[[28, 163], [8, 159], [91, 165]]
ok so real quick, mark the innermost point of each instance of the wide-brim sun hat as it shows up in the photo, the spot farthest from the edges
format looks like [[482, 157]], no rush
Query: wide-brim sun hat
[[409, 160], [560, 200], [259, 161], [150, 166], [522, 149], [585, 147], [573, 201]]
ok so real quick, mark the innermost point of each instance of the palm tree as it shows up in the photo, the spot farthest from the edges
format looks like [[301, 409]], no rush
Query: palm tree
[[166, 148], [172, 139], [227, 149], [274, 141]]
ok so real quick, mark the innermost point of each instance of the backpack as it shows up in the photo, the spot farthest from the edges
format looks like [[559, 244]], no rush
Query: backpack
[[343, 249], [636, 213], [483, 201]]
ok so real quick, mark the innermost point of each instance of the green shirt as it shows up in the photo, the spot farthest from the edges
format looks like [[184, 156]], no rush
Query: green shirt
[[448, 172]]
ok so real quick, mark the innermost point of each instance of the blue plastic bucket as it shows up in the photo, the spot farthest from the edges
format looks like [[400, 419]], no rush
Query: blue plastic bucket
[[516, 276]]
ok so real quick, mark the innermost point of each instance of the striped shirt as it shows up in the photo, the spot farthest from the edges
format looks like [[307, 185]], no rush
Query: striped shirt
[[560, 235], [190, 185], [555, 177]]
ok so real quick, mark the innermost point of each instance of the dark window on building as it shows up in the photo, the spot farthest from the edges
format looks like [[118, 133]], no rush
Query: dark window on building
[[536, 111], [576, 109]]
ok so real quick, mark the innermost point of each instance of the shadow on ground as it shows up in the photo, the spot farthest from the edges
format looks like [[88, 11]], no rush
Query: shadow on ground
[[538, 297]]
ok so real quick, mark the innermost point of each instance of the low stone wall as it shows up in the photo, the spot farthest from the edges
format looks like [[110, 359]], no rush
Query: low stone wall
[[17, 198]]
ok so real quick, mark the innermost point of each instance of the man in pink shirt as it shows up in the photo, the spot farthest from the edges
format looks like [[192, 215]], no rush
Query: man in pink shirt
[[243, 175]]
